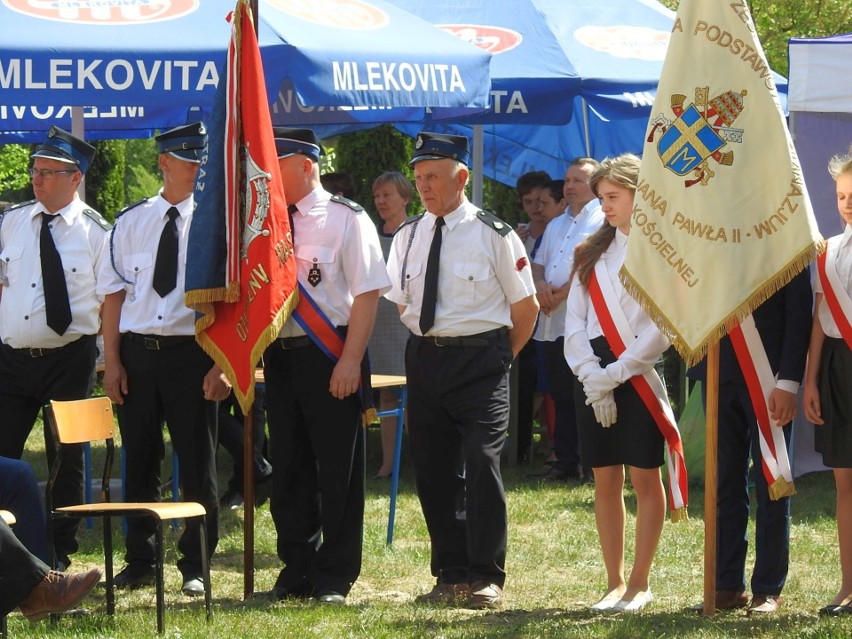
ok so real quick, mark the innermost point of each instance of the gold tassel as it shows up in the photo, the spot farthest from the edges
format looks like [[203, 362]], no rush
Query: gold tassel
[[781, 488], [368, 417], [680, 514]]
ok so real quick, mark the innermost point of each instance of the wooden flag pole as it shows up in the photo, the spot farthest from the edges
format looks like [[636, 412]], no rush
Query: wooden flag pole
[[248, 504], [711, 469]]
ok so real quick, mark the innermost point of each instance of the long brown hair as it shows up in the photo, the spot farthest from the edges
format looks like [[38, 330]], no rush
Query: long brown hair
[[624, 171]]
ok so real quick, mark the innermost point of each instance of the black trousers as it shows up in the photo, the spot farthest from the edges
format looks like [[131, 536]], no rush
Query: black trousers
[[318, 480], [566, 443], [232, 432], [458, 407], [20, 571], [166, 385], [26, 384], [738, 443]]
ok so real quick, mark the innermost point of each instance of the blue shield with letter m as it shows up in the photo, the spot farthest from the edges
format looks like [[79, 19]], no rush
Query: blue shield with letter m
[[688, 142]]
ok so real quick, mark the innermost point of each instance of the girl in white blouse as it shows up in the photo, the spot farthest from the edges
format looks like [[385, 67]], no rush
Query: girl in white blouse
[[828, 378], [616, 428]]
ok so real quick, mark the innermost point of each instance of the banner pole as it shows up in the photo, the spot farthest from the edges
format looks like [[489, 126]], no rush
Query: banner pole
[[710, 478], [248, 504]]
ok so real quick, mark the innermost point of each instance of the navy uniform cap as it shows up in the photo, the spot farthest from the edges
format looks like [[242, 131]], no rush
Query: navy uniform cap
[[302, 141], [184, 142], [64, 147], [439, 146]]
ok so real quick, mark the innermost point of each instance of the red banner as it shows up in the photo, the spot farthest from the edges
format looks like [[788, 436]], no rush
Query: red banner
[[241, 273]]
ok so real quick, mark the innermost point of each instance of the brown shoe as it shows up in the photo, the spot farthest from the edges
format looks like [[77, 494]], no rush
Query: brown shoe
[[726, 600], [57, 592], [485, 595], [445, 595], [763, 604]]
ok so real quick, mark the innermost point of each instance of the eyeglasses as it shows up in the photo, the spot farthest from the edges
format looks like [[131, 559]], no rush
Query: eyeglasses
[[49, 173]]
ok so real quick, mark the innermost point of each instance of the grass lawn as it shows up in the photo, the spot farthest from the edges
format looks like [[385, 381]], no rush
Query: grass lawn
[[554, 572]]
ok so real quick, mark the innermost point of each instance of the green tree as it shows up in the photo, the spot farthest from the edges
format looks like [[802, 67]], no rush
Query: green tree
[[366, 154], [14, 179], [142, 174], [105, 178]]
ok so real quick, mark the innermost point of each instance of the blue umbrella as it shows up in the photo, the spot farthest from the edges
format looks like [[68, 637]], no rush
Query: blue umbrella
[[141, 66]]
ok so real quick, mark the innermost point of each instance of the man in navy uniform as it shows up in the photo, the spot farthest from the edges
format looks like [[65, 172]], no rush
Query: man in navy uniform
[[154, 369], [463, 283], [783, 323], [50, 253], [313, 406]]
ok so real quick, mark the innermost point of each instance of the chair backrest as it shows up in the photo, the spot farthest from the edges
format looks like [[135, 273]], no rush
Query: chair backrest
[[83, 420], [78, 422]]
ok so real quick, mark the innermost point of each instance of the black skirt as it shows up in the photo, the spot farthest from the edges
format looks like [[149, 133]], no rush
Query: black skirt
[[634, 439], [834, 438]]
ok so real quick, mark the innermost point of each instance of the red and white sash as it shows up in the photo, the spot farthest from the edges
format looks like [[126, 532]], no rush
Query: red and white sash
[[649, 386], [833, 290], [760, 382]]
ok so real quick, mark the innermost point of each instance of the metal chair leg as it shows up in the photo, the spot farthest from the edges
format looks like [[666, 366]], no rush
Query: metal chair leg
[[110, 583], [161, 597], [205, 570]]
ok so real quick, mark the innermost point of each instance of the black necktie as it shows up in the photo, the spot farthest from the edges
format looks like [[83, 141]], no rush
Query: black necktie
[[165, 268], [56, 305], [430, 286], [291, 211]]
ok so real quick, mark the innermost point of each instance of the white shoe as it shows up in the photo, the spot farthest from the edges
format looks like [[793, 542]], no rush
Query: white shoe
[[608, 601], [636, 604]]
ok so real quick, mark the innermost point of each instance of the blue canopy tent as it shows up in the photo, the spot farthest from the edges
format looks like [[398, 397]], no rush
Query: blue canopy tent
[[135, 67], [569, 78]]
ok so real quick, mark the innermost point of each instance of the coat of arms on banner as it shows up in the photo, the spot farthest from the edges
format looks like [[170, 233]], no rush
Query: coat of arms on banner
[[700, 131]]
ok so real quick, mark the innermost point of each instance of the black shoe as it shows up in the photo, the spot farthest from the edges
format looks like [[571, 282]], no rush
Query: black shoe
[[558, 474], [231, 500], [330, 597], [132, 578], [280, 593], [588, 478]]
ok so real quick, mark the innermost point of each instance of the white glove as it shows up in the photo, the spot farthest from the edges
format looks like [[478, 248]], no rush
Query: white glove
[[605, 411], [597, 383]]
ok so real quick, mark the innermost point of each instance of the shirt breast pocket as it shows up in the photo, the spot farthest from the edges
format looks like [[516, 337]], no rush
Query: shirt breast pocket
[[469, 283], [318, 259], [10, 262], [138, 265], [76, 266]]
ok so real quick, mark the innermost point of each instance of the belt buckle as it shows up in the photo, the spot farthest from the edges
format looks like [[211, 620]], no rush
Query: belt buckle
[[36, 352], [152, 343], [437, 340]]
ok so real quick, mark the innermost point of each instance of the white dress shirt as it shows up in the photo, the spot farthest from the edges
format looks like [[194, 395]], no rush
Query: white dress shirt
[[481, 274], [79, 240], [843, 266], [344, 246], [128, 264], [582, 325], [556, 255]]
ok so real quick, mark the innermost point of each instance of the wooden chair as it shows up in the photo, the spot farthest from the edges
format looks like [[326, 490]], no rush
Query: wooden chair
[[87, 420]]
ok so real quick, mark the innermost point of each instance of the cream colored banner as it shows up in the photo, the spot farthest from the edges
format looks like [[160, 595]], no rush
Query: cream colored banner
[[721, 218]]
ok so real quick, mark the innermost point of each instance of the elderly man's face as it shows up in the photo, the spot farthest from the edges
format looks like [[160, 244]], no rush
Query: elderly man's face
[[440, 184], [57, 191]]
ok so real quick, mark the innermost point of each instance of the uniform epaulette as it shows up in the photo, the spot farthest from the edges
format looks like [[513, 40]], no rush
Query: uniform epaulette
[[346, 201], [93, 215], [17, 206], [494, 222], [131, 206], [410, 220]]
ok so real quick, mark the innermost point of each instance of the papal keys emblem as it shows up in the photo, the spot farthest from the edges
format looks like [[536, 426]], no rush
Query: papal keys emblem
[[699, 132]]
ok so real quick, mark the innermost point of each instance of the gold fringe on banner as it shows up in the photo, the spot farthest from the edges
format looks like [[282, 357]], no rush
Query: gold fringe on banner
[[770, 287]]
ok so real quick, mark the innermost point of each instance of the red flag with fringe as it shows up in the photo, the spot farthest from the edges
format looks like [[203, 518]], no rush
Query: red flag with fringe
[[241, 274]]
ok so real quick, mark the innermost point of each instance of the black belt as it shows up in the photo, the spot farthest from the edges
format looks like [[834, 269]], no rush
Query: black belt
[[41, 352], [480, 339], [289, 343], [159, 342]]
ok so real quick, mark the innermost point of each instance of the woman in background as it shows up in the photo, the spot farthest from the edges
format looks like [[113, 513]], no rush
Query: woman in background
[[392, 193]]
